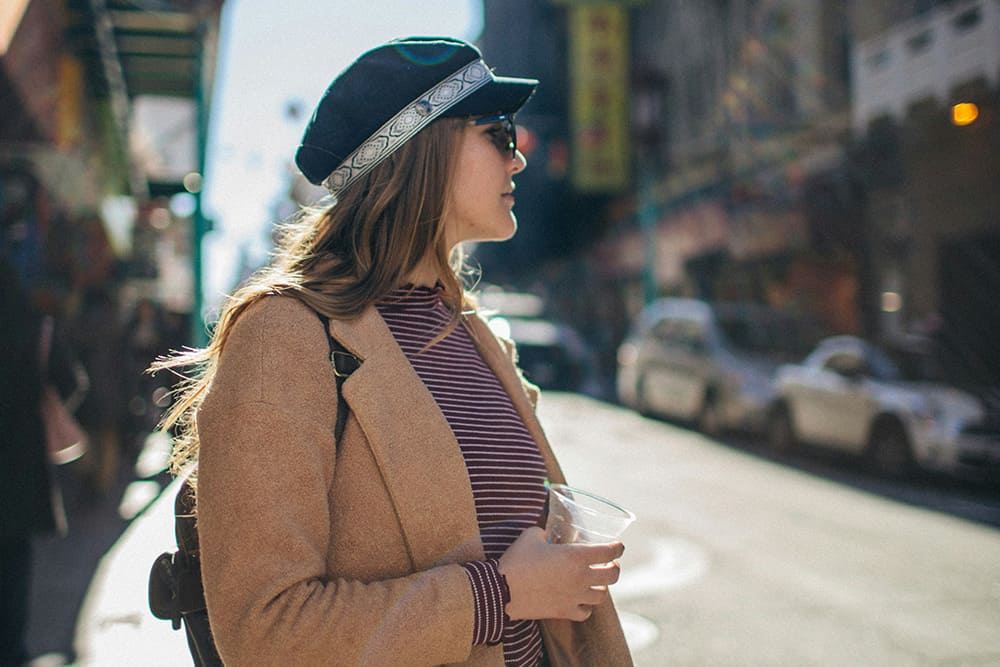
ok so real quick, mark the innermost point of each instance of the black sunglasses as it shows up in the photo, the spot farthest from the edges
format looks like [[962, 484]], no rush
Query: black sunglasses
[[504, 135]]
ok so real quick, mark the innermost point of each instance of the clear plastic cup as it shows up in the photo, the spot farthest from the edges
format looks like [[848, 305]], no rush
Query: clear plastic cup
[[580, 516]]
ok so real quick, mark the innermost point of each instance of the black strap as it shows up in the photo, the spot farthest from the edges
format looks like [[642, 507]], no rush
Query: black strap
[[344, 363], [175, 591]]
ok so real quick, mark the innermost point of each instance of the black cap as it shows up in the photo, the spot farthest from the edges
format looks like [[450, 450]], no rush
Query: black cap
[[389, 94]]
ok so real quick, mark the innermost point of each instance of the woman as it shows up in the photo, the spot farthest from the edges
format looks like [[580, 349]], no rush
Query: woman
[[411, 539]]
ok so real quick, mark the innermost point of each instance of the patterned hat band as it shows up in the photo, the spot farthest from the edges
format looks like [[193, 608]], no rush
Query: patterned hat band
[[414, 117]]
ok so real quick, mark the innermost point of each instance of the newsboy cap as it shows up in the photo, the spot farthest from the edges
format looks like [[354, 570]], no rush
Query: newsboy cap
[[390, 93]]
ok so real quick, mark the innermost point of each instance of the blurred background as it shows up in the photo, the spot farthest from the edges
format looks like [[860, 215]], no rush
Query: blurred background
[[836, 160], [774, 224]]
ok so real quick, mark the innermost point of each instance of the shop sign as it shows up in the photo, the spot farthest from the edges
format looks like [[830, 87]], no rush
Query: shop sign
[[599, 56]]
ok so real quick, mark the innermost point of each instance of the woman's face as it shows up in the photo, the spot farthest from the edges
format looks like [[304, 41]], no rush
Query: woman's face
[[481, 200]]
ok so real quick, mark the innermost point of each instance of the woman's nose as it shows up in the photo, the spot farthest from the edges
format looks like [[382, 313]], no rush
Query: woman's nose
[[519, 162]]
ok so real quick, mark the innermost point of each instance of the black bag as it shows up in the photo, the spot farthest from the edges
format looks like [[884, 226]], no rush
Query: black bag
[[175, 588]]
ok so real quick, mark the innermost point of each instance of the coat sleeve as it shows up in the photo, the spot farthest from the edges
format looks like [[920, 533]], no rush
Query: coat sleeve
[[266, 462]]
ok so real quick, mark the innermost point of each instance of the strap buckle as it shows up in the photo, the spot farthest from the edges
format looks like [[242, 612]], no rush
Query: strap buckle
[[344, 363]]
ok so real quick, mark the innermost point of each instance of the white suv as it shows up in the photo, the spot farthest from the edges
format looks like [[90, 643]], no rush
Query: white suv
[[848, 395], [710, 363]]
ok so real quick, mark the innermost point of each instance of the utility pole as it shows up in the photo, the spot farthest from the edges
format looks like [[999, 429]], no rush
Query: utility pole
[[199, 224]]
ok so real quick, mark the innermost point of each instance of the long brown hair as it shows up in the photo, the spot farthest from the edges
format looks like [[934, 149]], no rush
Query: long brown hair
[[342, 258]]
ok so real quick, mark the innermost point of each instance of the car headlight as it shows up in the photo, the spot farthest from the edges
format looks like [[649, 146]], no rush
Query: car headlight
[[628, 354]]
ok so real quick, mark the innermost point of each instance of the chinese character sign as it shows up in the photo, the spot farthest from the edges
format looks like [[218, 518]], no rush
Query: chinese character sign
[[598, 109]]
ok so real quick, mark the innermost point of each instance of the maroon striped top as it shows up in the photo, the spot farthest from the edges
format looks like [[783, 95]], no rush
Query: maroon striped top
[[506, 469]]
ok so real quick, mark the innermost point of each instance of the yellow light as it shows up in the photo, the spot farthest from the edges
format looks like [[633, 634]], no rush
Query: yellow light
[[964, 113], [891, 302]]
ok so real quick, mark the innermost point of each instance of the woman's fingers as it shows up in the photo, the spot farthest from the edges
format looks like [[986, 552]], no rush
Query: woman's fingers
[[598, 553], [558, 580], [606, 573]]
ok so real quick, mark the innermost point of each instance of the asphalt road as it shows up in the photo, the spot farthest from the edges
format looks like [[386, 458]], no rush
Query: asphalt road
[[737, 559]]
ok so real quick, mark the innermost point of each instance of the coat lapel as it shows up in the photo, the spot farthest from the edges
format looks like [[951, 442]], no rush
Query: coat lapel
[[414, 447]]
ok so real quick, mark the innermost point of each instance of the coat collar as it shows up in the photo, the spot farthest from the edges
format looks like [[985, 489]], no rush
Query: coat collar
[[415, 449]]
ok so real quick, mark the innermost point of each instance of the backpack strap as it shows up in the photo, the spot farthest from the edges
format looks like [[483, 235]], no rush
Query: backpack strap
[[175, 588], [344, 363]]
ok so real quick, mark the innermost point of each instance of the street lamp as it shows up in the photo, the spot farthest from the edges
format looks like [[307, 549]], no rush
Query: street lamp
[[964, 113]]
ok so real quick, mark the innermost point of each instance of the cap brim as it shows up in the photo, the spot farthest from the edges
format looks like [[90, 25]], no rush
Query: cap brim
[[314, 162], [502, 95]]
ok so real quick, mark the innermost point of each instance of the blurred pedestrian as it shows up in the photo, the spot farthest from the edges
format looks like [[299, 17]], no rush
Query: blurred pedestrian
[[29, 495], [98, 339], [414, 540]]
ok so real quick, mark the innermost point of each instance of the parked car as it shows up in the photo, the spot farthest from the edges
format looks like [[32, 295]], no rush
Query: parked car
[[849, 395], [551, 355], [710, 363]]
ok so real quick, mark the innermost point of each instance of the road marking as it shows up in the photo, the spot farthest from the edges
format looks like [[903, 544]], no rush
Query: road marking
[[676, 562]]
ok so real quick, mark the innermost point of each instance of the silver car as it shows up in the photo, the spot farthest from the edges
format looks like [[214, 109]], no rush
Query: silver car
[[709, 363], [850, 396]]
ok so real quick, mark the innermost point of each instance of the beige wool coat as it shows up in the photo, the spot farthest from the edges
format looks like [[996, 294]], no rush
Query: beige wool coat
[[320, 555]]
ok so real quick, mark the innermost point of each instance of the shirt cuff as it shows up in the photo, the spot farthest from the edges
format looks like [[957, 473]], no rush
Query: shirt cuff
[[491, 595]]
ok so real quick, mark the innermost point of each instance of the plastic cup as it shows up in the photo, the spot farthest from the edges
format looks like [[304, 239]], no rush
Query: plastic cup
[[580, 516]]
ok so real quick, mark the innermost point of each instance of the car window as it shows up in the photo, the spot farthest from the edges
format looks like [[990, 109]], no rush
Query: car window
[[690, 334], [846, 363], [679, 332], [663, 330]]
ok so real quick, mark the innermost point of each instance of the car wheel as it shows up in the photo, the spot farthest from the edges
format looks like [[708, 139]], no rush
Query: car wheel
[[710, 416], [889, 450], [780, 432]]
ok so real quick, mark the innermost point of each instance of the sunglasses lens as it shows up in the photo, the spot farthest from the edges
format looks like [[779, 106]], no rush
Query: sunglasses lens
[[504, 135]]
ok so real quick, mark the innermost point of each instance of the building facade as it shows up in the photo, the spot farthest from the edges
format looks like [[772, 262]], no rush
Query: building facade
[[85, 182], [798, 154]]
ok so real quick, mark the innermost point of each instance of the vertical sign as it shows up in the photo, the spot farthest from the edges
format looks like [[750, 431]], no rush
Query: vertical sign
[[598, 64], [69, 109]]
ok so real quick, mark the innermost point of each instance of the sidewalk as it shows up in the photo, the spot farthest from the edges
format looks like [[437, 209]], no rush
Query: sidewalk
[[115, 626]]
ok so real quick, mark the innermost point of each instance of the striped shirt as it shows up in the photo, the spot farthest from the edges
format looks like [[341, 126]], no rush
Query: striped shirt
[[506, 469]]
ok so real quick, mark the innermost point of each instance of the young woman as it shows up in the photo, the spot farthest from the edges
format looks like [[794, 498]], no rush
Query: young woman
[[413, 538]]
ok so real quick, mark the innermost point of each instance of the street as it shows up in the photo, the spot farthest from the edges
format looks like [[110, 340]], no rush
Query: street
[[738, 560], [684, 215], [734, 559]]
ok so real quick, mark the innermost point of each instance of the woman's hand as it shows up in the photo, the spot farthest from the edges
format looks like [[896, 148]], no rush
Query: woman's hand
[[557, 580]]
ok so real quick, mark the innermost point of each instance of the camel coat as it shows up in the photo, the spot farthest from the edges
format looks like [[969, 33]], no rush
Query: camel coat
[[314, 554]]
